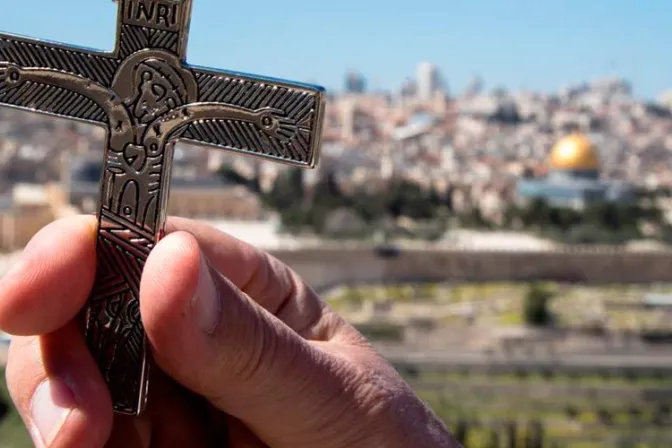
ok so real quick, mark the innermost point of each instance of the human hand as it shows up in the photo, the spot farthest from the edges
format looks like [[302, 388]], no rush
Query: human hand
[[241, 342]]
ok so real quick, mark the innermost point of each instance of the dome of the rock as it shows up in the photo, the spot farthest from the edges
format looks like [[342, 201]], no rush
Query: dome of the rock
[[576, 153]]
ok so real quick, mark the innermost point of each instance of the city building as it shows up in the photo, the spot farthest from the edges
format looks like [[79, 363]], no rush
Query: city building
[[23, 212], [665, 99], [355, 83], [6, 223], [573, 178], [428, 81]]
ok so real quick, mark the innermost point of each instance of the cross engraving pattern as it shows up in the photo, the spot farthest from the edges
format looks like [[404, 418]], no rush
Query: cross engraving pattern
[[147, 97]]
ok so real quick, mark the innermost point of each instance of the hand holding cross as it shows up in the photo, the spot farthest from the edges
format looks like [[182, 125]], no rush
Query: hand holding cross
[[147, 97]]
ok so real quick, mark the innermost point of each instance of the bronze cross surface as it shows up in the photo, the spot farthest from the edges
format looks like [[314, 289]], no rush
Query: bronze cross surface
[[148, 97]]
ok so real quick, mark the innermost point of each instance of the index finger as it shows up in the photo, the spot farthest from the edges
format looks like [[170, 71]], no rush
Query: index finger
[[52, 280]]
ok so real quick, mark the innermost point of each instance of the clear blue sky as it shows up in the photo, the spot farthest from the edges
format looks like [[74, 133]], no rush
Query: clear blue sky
[[530, 44]]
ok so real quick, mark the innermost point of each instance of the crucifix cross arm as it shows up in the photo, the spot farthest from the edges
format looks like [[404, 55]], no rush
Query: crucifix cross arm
[[264, 117], [283, 119], [148, 97]]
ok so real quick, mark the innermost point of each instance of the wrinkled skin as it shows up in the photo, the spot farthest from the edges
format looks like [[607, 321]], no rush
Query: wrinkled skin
[[267, 365]]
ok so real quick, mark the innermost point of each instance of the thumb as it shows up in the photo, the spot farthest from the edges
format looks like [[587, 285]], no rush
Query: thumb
[[216, 341]]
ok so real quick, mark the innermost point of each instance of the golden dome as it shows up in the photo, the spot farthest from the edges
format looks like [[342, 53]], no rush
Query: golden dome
[[574, 152]]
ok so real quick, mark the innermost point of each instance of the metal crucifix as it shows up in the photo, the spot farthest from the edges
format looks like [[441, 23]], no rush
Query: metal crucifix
[[148, 97]]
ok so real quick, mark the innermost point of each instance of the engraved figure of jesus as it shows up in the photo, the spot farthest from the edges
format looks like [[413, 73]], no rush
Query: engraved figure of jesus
[[146, 116], [148, 97]]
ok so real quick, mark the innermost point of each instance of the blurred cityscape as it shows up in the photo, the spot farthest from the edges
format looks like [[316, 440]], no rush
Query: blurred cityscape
[[417, 161], [506, 250]]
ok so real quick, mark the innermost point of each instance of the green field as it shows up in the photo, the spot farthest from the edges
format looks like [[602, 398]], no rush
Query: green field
[[501, 304], [521, 411], [515, 410], [487, 411]]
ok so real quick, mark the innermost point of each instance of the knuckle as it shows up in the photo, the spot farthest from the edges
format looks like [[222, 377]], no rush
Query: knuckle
[[260, 284], [253, 362], [375, 400], [380, 390]]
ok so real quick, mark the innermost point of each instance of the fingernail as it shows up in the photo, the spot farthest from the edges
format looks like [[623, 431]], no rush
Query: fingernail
[[206, 303], [52, 402]]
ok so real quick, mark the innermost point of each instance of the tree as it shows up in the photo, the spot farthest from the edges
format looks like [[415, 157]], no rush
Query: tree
[[328, 193], [434, 197], [474, 218], [537, 213], [409, 199], [600, 222], [295, 181], [661, 414], [229, 174], [461, 431], [511, 434], [512, 214], [536, 310], [294, 217], [563, 218], [605, 416], [571, 412], [287, 191], [534, 437], [493, 439], [369, 206]]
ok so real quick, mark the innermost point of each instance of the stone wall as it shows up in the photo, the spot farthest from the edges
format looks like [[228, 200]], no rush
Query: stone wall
[[324, 268]]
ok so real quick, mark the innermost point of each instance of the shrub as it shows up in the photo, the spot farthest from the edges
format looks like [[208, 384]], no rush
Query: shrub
[[536, 309]]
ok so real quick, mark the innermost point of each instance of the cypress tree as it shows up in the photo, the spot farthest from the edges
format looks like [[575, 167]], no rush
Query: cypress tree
[[511, 435], [461, 431]]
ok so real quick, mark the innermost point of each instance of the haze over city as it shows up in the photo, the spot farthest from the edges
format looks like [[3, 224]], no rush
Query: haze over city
[[539, 46]]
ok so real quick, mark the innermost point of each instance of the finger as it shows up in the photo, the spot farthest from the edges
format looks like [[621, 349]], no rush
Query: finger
[[271, 283], [219, 343], [240, 435], [52, 280], [58, 390], [174, 417], [179, 418], [129, 432]]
